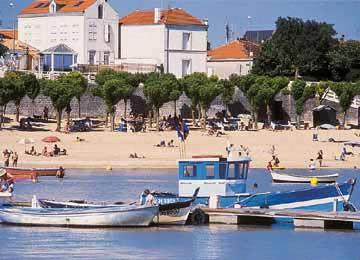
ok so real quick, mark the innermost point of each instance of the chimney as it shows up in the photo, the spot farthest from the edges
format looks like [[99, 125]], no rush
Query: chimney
[[157, 15]]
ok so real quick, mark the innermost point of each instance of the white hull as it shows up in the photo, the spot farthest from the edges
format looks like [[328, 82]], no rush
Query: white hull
[[283, 177], [5, 196], [99, 217], [173, 217]]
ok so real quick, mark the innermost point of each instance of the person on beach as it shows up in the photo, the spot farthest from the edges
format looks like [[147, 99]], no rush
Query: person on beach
[[60, 173], [15, 158], [320, 157], [149, 198], [6, 182], [312, 165], [269, 166], [276, 161], [46, 113], [6, 155]]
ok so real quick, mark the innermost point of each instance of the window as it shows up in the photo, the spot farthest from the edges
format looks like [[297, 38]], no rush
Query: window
[[190, 171], [53, 8], [210, 171], [107, 58], [107, 30], [186, 67], [92, 32], [100, 12], [233, 172], [92, 55], [186, 41]]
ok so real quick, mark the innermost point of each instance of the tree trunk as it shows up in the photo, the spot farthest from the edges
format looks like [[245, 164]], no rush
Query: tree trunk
[[256, 120], [157, 119], [344, 121], [175, 108], [125, 108], [79, 108], [68, 111], [298, 121], [268, 113], [33, 107], [58, 120], [17, 106], [296, 73], [1, 115], [107, 119], [151, 117], [200, 114]]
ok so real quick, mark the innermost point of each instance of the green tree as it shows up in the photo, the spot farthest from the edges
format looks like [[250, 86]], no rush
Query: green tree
[[3, 50], [111, 92], [79, 86], [297, 47], [227, 91], [158, 88], [343, 59], [13, 81], [208, 92], [192, 84], [5, 97], [32, 87], [346, 93], [60, 92]]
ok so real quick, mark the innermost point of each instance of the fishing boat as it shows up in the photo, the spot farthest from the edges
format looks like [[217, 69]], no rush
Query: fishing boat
[[5, 196], [86, 217], [175, 213], [33, 171], [222, 182], [294, 178]]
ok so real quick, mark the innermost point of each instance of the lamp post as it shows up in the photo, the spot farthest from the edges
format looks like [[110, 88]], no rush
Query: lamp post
[[12, 6]]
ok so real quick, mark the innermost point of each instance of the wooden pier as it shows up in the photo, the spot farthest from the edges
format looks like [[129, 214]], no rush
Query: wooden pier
[[301, 219]]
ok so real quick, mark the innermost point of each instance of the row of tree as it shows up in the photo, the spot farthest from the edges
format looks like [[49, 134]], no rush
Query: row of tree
[[308, 49]]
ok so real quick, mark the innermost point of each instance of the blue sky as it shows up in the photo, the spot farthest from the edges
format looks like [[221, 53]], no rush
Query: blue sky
[[344, 14]]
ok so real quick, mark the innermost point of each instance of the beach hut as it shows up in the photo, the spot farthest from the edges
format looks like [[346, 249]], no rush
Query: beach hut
[[324, 114]]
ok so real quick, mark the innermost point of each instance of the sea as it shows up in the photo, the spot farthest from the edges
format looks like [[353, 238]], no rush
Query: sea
[[172, 242]]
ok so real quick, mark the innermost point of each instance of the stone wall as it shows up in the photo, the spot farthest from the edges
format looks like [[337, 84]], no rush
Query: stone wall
[[94, 107]]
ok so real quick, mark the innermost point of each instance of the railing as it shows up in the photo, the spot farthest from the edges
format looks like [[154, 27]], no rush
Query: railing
[[128, 67]]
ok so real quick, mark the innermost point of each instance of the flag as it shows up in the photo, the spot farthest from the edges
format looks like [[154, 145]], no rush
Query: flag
[[183, 132]]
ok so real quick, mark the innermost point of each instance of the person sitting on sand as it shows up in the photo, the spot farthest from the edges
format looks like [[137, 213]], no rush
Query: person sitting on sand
[[45, 152], [276, 161], [161, 144], [171, 143], [78, 139], [135, 156], [312, 165], [56, 150], [33, 151]]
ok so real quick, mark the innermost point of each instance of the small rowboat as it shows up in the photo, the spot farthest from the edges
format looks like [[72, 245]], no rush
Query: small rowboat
[[32, 171], [292, 178], [90, 217]]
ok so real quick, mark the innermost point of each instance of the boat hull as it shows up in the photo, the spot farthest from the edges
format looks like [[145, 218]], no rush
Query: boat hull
[[100, 217], [288, 178], [32, 171]]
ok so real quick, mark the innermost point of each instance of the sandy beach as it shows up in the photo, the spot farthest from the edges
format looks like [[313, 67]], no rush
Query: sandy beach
[[102, 149]]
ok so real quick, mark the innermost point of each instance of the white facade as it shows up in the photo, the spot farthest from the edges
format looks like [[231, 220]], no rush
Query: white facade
[[179, 49], [224, 68], [84, 32]]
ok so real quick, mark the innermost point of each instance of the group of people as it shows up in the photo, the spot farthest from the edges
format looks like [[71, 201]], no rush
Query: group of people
[[164, 144], [274, 162], [7, 155], [6, 182], [45, 152], [170, 123]]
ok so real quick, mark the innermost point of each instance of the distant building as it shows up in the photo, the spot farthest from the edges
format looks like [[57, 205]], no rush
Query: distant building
[[8, 34], [235, 57], [88, 27], [172, 40], [258, 36]]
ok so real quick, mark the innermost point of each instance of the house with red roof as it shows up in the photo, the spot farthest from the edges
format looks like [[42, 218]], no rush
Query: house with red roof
[[235, 57], [171, 39], [70, 32]]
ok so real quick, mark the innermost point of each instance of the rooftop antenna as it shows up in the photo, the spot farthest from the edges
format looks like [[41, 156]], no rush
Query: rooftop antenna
[[227, 33]]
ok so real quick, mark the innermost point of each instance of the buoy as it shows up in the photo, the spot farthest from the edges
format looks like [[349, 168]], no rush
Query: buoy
[[314, 181], [109, 168]]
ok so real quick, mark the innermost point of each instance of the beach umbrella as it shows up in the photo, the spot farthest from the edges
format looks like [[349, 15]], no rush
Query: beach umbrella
[[51, 139], [26, 141]]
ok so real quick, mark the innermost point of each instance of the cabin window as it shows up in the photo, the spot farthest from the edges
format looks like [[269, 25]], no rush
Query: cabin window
[[210, 171], [233, 172], [222, 170], [190, 170]]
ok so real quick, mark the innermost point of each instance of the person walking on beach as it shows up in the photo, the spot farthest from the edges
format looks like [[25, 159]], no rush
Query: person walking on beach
[[320, 157], [15, 158], [6, 155], [46, 113]]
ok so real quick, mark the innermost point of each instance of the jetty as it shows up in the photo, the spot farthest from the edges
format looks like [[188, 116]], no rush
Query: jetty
[[300, 219]]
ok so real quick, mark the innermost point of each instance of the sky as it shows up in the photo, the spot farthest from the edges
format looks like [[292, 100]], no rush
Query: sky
[[241, 15]]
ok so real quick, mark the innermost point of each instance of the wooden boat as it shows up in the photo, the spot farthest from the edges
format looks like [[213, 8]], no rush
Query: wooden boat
[[88, 217], [32, 171], [292, 178]]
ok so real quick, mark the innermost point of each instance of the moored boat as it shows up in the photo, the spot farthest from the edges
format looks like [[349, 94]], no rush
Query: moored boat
[[88, 217], [33, 171], [294, 178]]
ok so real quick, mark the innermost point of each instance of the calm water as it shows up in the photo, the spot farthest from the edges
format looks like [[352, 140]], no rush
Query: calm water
[[213, 242]]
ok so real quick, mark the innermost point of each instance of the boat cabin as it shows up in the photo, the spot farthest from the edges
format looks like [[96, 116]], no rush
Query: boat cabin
[[214, 175]]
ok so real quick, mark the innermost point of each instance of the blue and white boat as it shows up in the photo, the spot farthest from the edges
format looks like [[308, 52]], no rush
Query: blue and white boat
[[222, 183]]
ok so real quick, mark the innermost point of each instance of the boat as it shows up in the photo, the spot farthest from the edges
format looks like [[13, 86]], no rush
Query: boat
[[175, 213], [293, 178], [80, 217], [33, 172], [5, 196], [222, 182]]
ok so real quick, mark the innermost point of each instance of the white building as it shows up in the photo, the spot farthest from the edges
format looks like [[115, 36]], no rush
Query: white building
[[235, 57], [172, 39], [88, 27]]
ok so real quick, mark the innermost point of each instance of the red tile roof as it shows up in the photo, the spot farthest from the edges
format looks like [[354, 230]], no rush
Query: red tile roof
[[8, 33], [174, 16], [238, 49], [63, 6]]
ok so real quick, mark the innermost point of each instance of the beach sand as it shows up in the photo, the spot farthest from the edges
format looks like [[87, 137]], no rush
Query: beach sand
[[102, 149]]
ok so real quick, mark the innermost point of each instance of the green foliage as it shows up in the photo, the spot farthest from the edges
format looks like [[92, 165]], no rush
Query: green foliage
[[297, 89], [301, 93], [58, 91], [5, 93], [192, 85], [343, 58], [346, 93], [208, 92], [296, 46], [32, 85], [77, 81], [227, 90], [105, 75]]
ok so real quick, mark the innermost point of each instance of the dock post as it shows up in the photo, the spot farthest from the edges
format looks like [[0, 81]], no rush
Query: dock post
[[335, 205]]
